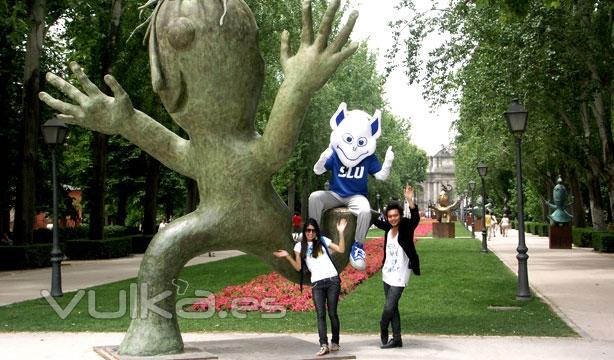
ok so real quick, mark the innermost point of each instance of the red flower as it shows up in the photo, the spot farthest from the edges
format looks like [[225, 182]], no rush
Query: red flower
[[265, 292]]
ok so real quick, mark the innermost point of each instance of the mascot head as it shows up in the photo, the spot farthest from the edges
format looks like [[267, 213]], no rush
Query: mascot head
[[354, 134]]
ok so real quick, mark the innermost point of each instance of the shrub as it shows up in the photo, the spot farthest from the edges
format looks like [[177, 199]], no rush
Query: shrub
[[77, 232], [582, 237], [42, 236], [140, 243], [603, 241], [543, 229], [17, 257], [99, 249]]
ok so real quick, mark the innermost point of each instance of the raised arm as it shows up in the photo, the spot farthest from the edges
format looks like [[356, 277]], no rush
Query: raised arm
[[304, 73], [94, 110]]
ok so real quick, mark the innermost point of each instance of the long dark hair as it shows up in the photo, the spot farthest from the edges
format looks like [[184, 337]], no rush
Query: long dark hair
[[317, 244]]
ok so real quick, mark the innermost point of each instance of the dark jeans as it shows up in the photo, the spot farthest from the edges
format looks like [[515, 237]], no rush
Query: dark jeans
[[325, 295], [391, 310]]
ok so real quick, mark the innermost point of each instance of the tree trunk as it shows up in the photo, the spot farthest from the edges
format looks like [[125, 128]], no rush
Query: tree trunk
[[578, 202], [305, 199], [594, 193], [100, 141], [25, 207], [192, 199], [291, 196], [97, 188], [150, 208], [122, 200]]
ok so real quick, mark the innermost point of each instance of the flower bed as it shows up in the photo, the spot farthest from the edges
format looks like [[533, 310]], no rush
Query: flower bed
[[271, 291]]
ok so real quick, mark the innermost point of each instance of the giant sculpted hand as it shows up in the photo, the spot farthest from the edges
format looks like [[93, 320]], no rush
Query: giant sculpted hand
[[316, 60], [91, 108]]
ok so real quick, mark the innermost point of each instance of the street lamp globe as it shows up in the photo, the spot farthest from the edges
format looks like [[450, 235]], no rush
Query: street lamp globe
[[482, 169], [516, 117], [54, 131]]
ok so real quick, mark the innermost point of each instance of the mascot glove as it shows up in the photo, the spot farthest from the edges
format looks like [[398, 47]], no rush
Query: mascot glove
[[319, 167], [389, 156], [327, 153]]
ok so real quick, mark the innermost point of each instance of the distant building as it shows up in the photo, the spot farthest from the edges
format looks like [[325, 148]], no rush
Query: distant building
[[440, 172]]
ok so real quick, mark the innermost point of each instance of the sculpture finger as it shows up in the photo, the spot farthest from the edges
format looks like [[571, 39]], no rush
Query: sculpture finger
[[345, 53], [89, 87], [284, 48], [344, 34], [307, 32], [61, 106], [116, 88], [66, 88], [327, 24], [68, 119]]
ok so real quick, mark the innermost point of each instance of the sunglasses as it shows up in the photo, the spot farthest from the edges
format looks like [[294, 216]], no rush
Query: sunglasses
[[309, 230]]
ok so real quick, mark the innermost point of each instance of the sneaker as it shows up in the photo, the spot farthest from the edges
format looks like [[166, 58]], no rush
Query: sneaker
[[334, 347], [358, 256], [323, 350]]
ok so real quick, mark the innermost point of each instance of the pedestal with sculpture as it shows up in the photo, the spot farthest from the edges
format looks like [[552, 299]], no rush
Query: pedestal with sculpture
[[208, 71], [444, 227], [560, 220]]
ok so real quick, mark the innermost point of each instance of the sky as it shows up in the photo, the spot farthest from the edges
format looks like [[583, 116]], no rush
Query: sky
[[430, 128]]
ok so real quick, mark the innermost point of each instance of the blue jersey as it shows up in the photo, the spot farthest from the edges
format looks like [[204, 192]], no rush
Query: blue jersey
[[351, 181]]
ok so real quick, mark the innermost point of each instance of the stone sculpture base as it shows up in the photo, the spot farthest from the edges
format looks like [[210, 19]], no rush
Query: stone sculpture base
[[443, 230], [560, 237], [192, 351], [279, 347]]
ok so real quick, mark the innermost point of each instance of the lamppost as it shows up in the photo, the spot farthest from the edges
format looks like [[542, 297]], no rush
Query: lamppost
[[54, 133], [378, 197], [473, 219], [482, 169], [516, 117], [464, 209]]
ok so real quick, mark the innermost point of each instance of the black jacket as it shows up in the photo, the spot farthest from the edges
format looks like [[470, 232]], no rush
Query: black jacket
[[406, 238]]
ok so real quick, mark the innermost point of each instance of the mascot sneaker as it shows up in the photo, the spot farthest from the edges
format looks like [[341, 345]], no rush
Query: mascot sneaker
[[358, 257]]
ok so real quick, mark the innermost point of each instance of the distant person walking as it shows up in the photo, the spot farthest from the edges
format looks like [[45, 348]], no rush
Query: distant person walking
[[505, 225], [400, 260]]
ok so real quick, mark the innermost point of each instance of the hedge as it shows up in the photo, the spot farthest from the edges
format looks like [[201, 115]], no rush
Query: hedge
[[140, 243], [603, 241], [15, 257], [582, 237], [99, 249]]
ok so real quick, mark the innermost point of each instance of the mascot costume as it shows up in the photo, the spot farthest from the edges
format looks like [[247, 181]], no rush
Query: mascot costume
[[350, 157]]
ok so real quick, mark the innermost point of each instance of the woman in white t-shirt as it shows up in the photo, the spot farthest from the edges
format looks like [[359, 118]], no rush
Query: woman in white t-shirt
[[314, 251]]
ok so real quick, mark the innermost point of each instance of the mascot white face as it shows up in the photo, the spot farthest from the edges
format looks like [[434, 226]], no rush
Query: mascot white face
[[354, 134]]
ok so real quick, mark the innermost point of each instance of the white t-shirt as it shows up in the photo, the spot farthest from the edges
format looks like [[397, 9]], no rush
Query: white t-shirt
[[396, 268], [321, 267]]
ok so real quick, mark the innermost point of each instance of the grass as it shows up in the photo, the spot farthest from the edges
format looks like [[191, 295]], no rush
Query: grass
[[453, 295]]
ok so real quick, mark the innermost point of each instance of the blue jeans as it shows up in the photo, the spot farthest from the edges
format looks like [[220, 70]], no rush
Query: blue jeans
[[391, 310], [325, 295]]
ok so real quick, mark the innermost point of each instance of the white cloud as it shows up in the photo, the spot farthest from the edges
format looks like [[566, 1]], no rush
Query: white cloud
[[430, 128]]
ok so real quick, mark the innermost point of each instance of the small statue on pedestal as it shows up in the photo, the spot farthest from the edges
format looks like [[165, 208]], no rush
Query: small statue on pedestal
[[443, 207], [560, 216]]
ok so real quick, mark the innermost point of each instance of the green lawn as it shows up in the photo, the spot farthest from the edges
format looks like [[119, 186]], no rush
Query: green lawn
[[453, 295]]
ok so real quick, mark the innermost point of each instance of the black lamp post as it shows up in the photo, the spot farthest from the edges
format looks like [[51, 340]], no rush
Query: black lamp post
[[465, 207], [482, 169], [54, 133], [472, 188], [516, 117], [378, 198]]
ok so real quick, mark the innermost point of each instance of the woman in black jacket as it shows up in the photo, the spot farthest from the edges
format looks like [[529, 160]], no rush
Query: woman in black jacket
[[400, 260]]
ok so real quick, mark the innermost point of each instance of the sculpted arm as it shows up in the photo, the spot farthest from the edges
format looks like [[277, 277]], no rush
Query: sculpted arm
[[304, 73], [94, 110]]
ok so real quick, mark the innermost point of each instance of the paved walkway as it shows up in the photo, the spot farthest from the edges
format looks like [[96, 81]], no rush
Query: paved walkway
[[577, 283]]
